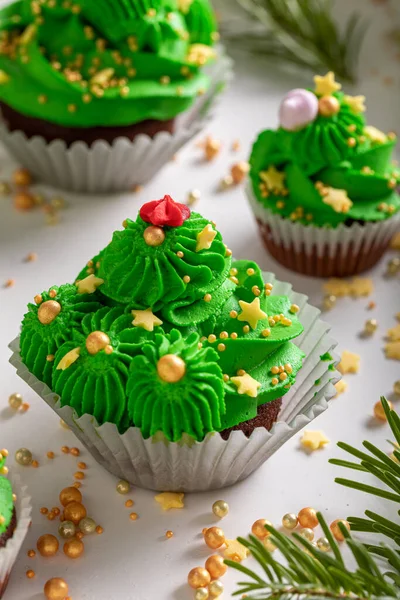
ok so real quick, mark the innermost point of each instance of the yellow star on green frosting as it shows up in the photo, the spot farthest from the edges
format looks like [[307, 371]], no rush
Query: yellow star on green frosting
[[251, 312], [246, 385], [326, 85], [273, 178], [145, 319]]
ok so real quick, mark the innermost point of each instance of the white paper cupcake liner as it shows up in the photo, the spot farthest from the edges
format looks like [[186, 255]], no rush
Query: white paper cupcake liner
[[23, 509], [119, 166], [320, 251], [214, 463]]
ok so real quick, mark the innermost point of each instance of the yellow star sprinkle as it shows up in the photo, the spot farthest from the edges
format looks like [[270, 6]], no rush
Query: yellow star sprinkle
[[145, 319], [246, 385], [273, 178], [168, 500], [341, 387], [337, 199], [356, 103], [361, 286], [374, 134], [89, 284], [314, 440], [349, 363], [392, 350], [326, 85], [68, 359], [184, 5], [394, 334], [205, 238], [336, 287], [251, 312], [235, 551], [395, 243]]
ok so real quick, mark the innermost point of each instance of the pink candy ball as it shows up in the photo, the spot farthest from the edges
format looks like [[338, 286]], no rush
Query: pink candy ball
[[298, 108]]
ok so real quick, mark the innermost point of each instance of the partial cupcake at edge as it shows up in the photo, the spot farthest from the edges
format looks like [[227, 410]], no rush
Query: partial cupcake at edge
[[94, 70], [164, 332], [323, 185]]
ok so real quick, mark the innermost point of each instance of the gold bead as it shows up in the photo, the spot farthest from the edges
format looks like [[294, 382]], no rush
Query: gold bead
[[211, 148], [207, 298], [258, 529], [87, 525], [23, 457], [67, 529], [123, 487], [220, 508], [290, 521], [216, 588], [371, 326], [15, 401], [70, 494], [379, 411], [133, 516], [96, 341], [75, 512], [154, 236], [215, 566], [24, 201], [169, 534], [334, 527], [75, 451], [22, 177], [396, 387], [221, 347], [186, 279], [239, 171], [393, 266], [201, 593], [214, 537], [171, 368], [56, 589], [30, 574], [198, 578], [323, 544], [307, 533], [308, 517], [73, 548], [48, 311], [47, 545], [351, 142], [329, 302], [328, 106]]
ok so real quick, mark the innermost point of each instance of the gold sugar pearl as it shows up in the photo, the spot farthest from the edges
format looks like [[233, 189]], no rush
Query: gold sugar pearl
[[274, 381], [379, 412], [169, 534], [329, 302], [275, 370], [123, 487], [50, 455], [47, 545], [371, 325], [215, 566], [129, 503], [224, 335], [283, 376], [256, 290], [334, 527], [79, 475], [212, 338], [56, 589], [308, 517], [22, 178], [199, 578], [241, 372], [15, 401], [31, 553], [65, 449], [234, 335], [133, 516], [288, 368], [290, 521], [233, 314], [186, 279], [323, 544], [180, 254], [23, 457], [82, 465], [246, 329], [266, 332], [249, 271], [30, 574], [44, 510], [216, 588], [221, 347], [307, 534], [233, 272], [220, 508], [207, 298], [67, 530], [294, 308], [87, 525], [99, 529], [75, 451], [258, 529], [351, 142], [214, 537], [225, 378], [393, 266], [73, 548]]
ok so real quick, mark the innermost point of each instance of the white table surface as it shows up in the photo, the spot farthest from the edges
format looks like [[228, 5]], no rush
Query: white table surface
[[132, 560]]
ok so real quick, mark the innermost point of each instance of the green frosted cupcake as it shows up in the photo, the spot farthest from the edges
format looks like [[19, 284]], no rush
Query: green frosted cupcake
[[165, 338], [323, 185]]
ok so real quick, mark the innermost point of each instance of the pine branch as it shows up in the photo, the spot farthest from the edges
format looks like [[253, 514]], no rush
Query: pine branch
[[304, 33]]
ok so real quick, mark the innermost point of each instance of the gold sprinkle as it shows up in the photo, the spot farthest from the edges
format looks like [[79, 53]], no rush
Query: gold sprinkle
[[35, 464], [250, 271], [283, 376], [246, 329], [72, 108], [186, 279], [207, 298], [75, 451], [256, 290], [50, 455], [133, 516], [274, 381], [224, 335], [169, 534], [65, 449], [180, 254], [351, 142], [129, 503], [266, 332], [82, 465], [221, 347], [288, 368], [234, 335], [241, 372], [294, 308], [233, 272], [233, 314], [225, 378], [212, 338]]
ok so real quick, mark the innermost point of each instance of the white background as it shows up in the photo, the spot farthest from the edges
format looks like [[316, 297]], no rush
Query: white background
[[132, 560]]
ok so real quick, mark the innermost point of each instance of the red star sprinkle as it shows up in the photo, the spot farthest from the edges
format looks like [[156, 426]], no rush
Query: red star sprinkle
[[165, 212]]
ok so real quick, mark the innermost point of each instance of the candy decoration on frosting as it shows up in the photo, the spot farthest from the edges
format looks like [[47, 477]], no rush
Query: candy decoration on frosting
[[246, 385], [356, 103], [154, 236], [205, 238], [165, 212], [328, 106], [326, 85], [298, 108], [251, 312], [68, 359], [145, 319], [48, 311], [273, 179], [89, 285]]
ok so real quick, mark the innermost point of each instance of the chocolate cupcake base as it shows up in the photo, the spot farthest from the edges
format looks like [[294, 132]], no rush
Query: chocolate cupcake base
[[9, 531], [355, 259], [267, 415], [31, 127]]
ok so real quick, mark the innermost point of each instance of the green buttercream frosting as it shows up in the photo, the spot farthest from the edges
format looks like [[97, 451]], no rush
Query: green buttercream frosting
[[6, 500], [333, 169], [192, 405], [185, 297], [87, 63], [40, 341]]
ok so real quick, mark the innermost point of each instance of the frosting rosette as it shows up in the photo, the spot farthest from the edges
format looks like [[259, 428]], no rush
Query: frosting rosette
[[176, 387], [149, 266], [328, 167], [104, 62], [49, 323]]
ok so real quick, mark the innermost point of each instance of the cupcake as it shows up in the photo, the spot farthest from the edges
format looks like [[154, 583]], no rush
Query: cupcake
[[15, 513], [78, 76], [323, 186], [165, 351]]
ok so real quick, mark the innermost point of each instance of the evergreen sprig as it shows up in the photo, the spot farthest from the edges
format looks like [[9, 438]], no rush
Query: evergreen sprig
[[387, 472], [304, 33]]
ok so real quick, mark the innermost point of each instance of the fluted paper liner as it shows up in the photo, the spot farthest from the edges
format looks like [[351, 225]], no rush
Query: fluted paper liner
[[119, 166], [23, 509], [323, 251], [188, 465]]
